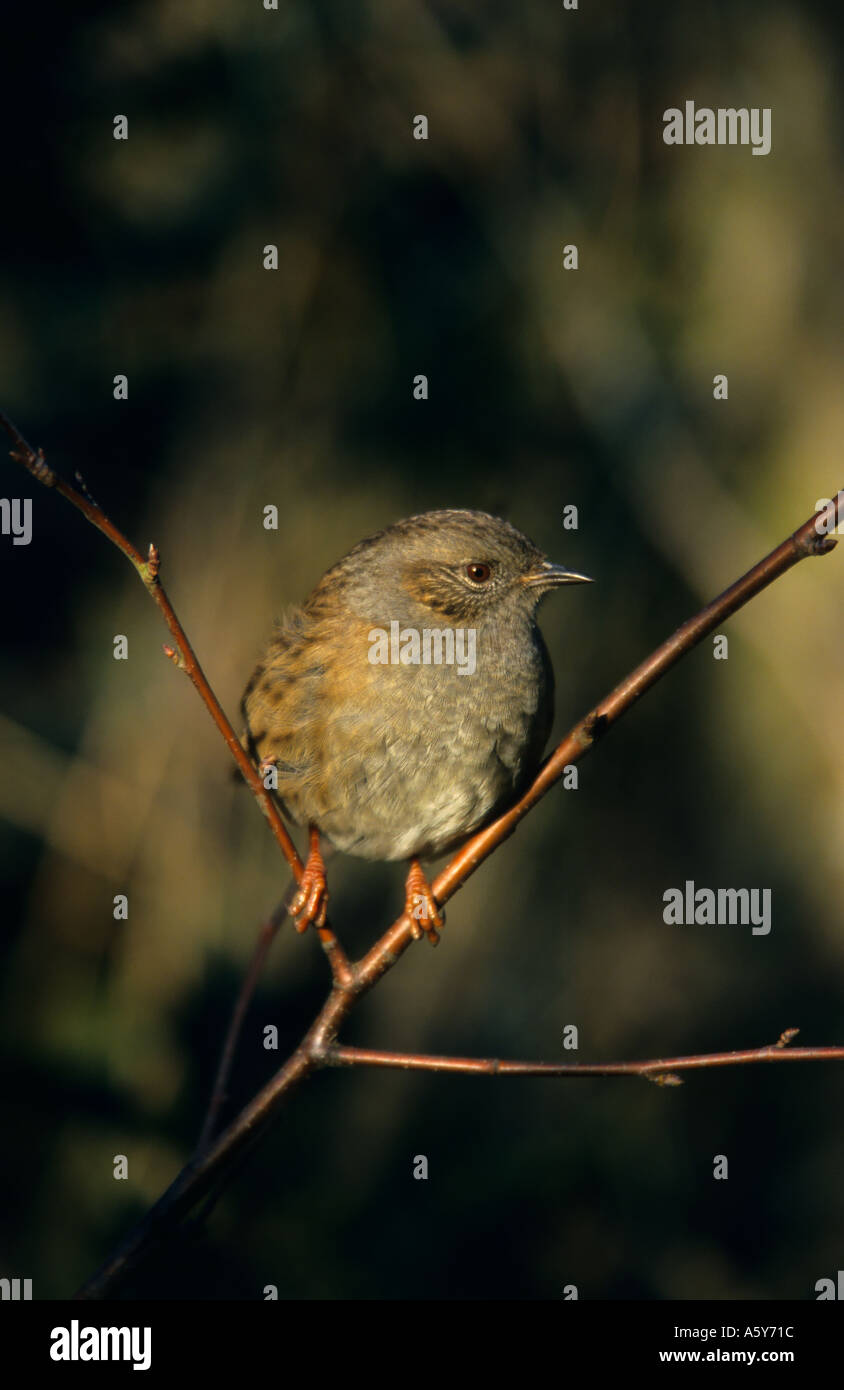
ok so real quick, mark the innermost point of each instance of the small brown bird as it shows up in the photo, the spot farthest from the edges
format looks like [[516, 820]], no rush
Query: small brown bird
[[409, 700]]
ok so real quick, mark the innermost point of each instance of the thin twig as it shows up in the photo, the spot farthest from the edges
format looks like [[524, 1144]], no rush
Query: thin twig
[[183, 655], [219, 1095], [661, 1070]]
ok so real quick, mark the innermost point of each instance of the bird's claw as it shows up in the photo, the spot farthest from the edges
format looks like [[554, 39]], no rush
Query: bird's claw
[[421, 907], [310, 905]]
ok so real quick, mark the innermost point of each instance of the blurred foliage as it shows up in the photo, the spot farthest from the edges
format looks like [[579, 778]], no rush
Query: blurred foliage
[[594, 387]]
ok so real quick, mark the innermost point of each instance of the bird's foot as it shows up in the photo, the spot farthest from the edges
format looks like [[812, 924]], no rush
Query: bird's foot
[[310, 904], [421, 906]]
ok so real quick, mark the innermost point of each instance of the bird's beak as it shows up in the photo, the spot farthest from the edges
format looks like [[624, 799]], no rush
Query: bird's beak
[[549, 576]]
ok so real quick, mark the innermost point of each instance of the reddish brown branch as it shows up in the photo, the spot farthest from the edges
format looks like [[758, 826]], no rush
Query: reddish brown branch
[[808, 539], [661, 1070], [811, 538], [183, 654], [148, 570]]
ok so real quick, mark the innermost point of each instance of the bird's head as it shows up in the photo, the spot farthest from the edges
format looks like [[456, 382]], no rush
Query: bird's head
[[462, 566]]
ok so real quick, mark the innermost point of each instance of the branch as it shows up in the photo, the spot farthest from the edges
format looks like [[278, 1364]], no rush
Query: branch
[[662, 1070], [183, 655], [219, 1095], [811, 538], [318, 1048], [209, 1165]]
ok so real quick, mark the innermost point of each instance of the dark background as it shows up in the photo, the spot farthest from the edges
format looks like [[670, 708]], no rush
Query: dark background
[[547, 388]]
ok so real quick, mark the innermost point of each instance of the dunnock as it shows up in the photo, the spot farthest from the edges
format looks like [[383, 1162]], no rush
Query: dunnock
[[408, 701]]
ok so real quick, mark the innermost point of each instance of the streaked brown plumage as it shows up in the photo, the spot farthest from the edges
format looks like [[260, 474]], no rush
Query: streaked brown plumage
[[402, 760]]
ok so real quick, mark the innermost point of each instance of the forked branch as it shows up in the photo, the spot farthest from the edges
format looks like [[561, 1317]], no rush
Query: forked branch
[[319, 1048]]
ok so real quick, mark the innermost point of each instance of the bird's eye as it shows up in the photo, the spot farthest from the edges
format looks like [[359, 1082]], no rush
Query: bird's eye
[[478, 572]]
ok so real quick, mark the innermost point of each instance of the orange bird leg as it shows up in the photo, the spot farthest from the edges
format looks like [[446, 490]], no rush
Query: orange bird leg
[[311, 901], [420, 905]]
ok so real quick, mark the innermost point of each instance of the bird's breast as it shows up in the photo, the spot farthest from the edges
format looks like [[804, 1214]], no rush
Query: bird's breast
[[410, 743]]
